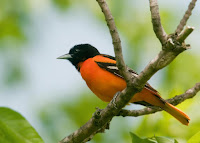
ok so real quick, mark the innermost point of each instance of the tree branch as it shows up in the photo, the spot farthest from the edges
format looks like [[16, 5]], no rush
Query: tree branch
[[115, 39], [190, 93], [186, 17], [157, 26], [188, 30], [172, 48]]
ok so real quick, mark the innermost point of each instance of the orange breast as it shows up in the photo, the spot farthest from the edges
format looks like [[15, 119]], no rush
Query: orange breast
[[101, 82], [105, 84]]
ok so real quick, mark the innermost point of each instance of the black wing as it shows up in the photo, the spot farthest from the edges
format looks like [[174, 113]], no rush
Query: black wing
[[112, 68]]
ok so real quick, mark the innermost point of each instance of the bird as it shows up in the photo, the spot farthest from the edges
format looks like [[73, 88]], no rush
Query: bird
[[103, 78]]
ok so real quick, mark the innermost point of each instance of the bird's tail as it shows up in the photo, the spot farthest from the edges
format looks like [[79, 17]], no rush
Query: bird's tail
[[176, 113]]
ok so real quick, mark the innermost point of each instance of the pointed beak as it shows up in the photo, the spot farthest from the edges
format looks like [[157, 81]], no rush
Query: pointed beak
[[66, 56]]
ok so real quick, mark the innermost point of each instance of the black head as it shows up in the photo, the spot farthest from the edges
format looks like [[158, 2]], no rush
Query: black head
[[80, 53]]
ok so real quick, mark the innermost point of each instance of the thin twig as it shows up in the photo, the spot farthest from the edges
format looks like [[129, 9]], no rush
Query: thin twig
[[186, 17], [188, 30], [157, 26], [190, 93]]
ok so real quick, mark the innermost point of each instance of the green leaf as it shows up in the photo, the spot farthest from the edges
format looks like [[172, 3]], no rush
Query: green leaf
[[136, 139], [163, 140], [14, 128], [195, 138], [175, 141], [62, 4]]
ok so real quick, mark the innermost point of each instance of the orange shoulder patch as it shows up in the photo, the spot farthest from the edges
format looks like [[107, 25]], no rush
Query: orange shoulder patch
[[100, 58]]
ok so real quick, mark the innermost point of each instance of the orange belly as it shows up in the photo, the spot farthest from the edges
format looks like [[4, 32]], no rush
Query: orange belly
[[105, 84], [101, 82]]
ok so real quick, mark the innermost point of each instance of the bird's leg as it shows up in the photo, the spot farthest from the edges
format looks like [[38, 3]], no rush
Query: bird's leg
[[114, 99]]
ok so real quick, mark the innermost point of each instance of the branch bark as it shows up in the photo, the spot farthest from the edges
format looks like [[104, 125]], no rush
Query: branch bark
[[185, 17], [188, 30], [115, 39], [171, 49], [157, 26]]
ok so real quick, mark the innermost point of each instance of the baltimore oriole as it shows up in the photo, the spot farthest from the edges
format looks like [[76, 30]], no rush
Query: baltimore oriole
[[104, 79]]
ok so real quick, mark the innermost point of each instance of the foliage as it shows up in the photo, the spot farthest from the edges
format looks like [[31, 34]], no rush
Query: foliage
[[61, 117], [15, 128], [136, 139], [62, 4], [195, 138], [12, 19], [13, 22], [154, 139]]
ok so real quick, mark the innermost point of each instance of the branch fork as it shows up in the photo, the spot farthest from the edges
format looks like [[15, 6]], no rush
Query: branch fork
[[172, 46]]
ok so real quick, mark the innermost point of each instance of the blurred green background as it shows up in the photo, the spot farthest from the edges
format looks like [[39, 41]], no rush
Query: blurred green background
[[51, 94]]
